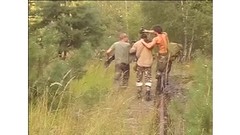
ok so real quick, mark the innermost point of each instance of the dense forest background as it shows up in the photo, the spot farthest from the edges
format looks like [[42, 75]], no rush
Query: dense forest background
[[87, 27], [66, 37]]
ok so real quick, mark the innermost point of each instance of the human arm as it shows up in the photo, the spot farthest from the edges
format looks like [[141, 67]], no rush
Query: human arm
[[112, 48], [149, 45], [133, 48], [165, 33], [148, 31]]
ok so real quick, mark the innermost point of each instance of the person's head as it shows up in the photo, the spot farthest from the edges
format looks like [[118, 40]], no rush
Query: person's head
[[123, 37], [144, 37], [157, 29]]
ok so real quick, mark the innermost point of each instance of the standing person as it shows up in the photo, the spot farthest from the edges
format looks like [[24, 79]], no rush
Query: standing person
[[161, 40], [121, 53], [144, 64]]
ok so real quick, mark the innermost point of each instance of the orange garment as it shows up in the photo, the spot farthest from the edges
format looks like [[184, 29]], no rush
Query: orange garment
[[162, 42]]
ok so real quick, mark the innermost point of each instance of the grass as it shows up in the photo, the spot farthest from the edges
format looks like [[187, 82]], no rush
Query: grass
[[82, 95], [193, 115], [95, 107]]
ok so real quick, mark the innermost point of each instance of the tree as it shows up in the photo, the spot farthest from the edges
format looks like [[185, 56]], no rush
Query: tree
[[186, 22], [77, 21], [60, 25]]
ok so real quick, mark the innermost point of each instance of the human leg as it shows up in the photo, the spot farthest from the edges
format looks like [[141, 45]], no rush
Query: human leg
[[117, 75], [126, 72], [148, 81], [139, 82]]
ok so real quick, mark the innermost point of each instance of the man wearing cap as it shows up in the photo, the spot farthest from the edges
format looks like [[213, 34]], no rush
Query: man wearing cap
[[144, 64]]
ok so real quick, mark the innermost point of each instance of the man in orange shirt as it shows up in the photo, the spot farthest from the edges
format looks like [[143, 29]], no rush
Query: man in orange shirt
[[161, 40]]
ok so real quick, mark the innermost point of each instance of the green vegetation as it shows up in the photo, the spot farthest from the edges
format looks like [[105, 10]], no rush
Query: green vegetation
[[95, 107], [74, 94], [78, 100], [192, 114]]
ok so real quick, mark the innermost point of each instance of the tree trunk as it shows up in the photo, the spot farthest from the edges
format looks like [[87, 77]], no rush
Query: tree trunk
[[190, 46], [126, 12], [184, 14]]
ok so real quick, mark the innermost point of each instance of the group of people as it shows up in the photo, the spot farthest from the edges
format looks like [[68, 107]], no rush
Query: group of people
[[143, 51]]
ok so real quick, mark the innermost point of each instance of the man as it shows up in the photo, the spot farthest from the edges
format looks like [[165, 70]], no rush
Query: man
[[144, 64], [161, 40], [121, 54]]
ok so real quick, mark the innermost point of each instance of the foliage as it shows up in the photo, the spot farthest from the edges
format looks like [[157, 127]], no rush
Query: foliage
[[77, 21], [74, 96], [195, 16], [199, 116], [93, 107], [68, 106], [193, 115], [60, 25]]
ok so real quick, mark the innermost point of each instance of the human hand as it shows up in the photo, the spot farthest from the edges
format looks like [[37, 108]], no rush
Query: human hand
[[141, 40], [107, 54], [144, 30]]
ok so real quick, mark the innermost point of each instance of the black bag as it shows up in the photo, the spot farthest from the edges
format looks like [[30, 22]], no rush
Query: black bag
[[109, 60]]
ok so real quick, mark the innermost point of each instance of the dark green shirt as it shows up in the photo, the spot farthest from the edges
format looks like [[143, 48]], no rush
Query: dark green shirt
[[121, 52]]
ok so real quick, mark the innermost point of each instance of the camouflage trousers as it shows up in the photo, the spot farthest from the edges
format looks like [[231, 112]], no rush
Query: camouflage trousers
[[121, 74], [162, 62], [146, 73]]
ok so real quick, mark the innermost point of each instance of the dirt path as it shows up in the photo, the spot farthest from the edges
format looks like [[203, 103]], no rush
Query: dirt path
[[141, 112]]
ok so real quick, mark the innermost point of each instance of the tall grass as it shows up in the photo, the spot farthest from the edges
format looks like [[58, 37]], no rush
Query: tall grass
[[94, 107], [81, 95], [192, 114]]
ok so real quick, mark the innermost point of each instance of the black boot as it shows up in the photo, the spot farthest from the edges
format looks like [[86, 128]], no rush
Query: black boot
[[148, 95]]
